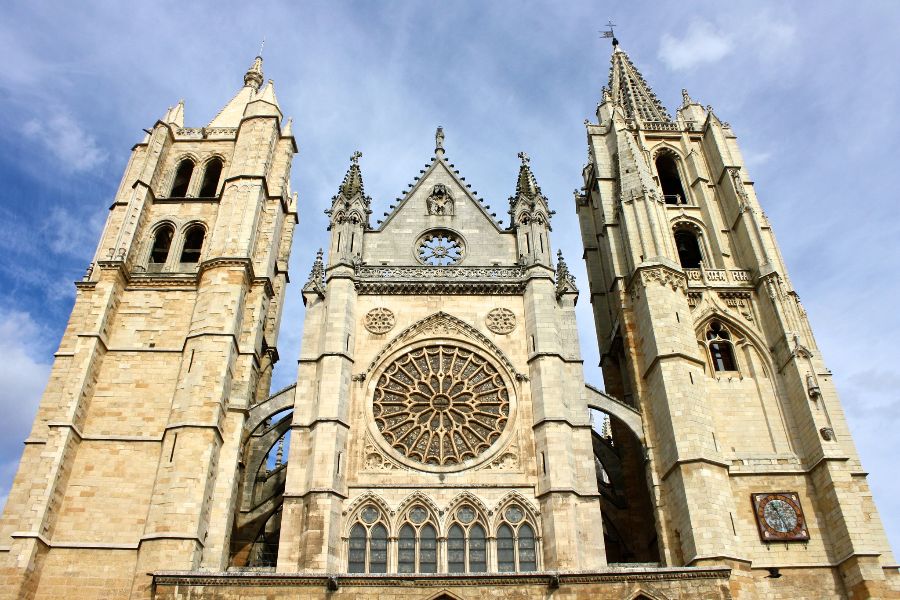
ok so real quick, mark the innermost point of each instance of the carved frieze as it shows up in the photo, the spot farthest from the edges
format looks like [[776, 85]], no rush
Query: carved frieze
[[437, 280]]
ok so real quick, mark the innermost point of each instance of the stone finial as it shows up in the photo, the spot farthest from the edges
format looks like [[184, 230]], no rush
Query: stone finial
[[686, 98], [523, 156], [439, 141], [316, 281], [254, 75], [565, 281], [354, 158]]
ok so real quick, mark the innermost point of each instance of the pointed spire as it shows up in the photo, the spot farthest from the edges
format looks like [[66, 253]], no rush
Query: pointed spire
[[268, 94], [353, 182], [175, 115], [526, 184], [629, 90], [316, 281], [254, 76], [565, 281], [288, 130]]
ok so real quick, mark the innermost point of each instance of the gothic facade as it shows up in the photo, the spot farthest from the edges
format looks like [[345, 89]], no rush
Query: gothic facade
[[438, 441]]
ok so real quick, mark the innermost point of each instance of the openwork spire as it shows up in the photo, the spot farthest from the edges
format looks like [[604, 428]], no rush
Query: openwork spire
[[353, 182], [526, 184], [254, 75], [629, 90]]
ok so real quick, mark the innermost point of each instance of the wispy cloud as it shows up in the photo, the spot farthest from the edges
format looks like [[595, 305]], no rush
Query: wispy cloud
[[702, 43], [64, 138]]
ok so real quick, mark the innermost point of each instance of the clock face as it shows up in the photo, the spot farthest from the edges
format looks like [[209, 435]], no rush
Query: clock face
[[779, 517]]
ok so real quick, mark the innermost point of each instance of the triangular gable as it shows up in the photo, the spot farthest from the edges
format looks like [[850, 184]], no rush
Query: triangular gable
[[439, 162]]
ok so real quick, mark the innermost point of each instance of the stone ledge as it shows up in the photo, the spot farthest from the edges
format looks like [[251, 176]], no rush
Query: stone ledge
[[612, 574]]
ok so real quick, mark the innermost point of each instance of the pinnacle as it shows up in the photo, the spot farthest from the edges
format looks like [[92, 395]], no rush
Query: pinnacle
[[254, 75], [353, 181]]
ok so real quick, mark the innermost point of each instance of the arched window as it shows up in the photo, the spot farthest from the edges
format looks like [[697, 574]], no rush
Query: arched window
[[193, 244], [669, 179], [688, 247], [162, 241], [211, 175], [367, 550], [417, 552], [182, 179], [516, 545], [718, 338], [466, 543]]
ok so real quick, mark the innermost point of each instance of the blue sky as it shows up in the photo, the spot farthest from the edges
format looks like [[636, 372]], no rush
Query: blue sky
[[811, 94]]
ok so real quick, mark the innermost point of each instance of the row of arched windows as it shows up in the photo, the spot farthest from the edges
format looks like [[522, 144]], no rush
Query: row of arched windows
[[420, 549], [163, 237], [184, 175]]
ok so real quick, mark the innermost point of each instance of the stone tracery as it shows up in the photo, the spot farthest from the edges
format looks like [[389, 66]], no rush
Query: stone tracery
[[441, 405]]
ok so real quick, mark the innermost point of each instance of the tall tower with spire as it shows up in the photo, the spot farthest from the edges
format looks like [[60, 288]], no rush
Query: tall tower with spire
[[745, 448], [133, 462]]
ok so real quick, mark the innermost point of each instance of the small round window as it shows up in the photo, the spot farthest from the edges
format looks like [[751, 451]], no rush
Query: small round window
[[439, 248]]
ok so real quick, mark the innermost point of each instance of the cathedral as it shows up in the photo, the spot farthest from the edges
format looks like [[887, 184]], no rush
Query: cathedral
[[440, 441]]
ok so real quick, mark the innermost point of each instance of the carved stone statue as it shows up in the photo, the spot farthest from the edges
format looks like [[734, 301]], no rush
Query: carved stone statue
[[440, 202]]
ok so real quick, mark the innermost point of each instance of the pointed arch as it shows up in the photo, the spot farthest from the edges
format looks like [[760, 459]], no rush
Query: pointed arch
[[418, 497], [468, 498], [448, 326], [212, 176], [670, 175], [514, 497], [745, 334], [367, 498], [183, 175]]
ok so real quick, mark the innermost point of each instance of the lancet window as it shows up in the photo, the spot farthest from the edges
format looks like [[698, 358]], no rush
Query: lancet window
[[721, 350], [162, 241], [368, 544], [688, 246], [516, 544], [670, 179], [417, 542], [211, 175], [466, 542], [182, 179], [193, 244]]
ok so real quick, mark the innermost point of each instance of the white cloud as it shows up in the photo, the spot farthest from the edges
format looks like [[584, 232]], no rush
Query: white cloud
[[22, 381], [702, 43], [65, 139]]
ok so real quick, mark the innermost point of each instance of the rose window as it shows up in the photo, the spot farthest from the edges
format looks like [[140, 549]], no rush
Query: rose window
[[441, 405], [439, 249]]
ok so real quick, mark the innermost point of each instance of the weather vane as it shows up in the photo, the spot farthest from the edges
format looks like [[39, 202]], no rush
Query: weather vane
[[609, 33]]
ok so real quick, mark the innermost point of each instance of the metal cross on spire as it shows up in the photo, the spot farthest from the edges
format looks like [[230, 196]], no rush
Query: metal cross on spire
[[524, 158], [609, 33], [354, 158], [261, 46]]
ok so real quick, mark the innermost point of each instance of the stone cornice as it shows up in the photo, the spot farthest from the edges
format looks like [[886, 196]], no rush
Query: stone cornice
[[542, 578]]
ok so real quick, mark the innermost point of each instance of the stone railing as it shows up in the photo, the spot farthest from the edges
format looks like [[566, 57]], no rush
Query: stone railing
[[718, 276], [199, 133], [418, 273], [438, 280], [660, 126]]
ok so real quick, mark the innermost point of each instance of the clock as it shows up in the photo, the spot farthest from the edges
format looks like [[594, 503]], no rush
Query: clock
[[779, 517]]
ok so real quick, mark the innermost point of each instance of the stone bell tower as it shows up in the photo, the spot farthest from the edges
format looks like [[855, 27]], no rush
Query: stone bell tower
[[132, 462], [748, 456]]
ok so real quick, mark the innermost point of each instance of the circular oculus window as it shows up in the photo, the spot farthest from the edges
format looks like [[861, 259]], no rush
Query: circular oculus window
[[440, 248], [441, 405]]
